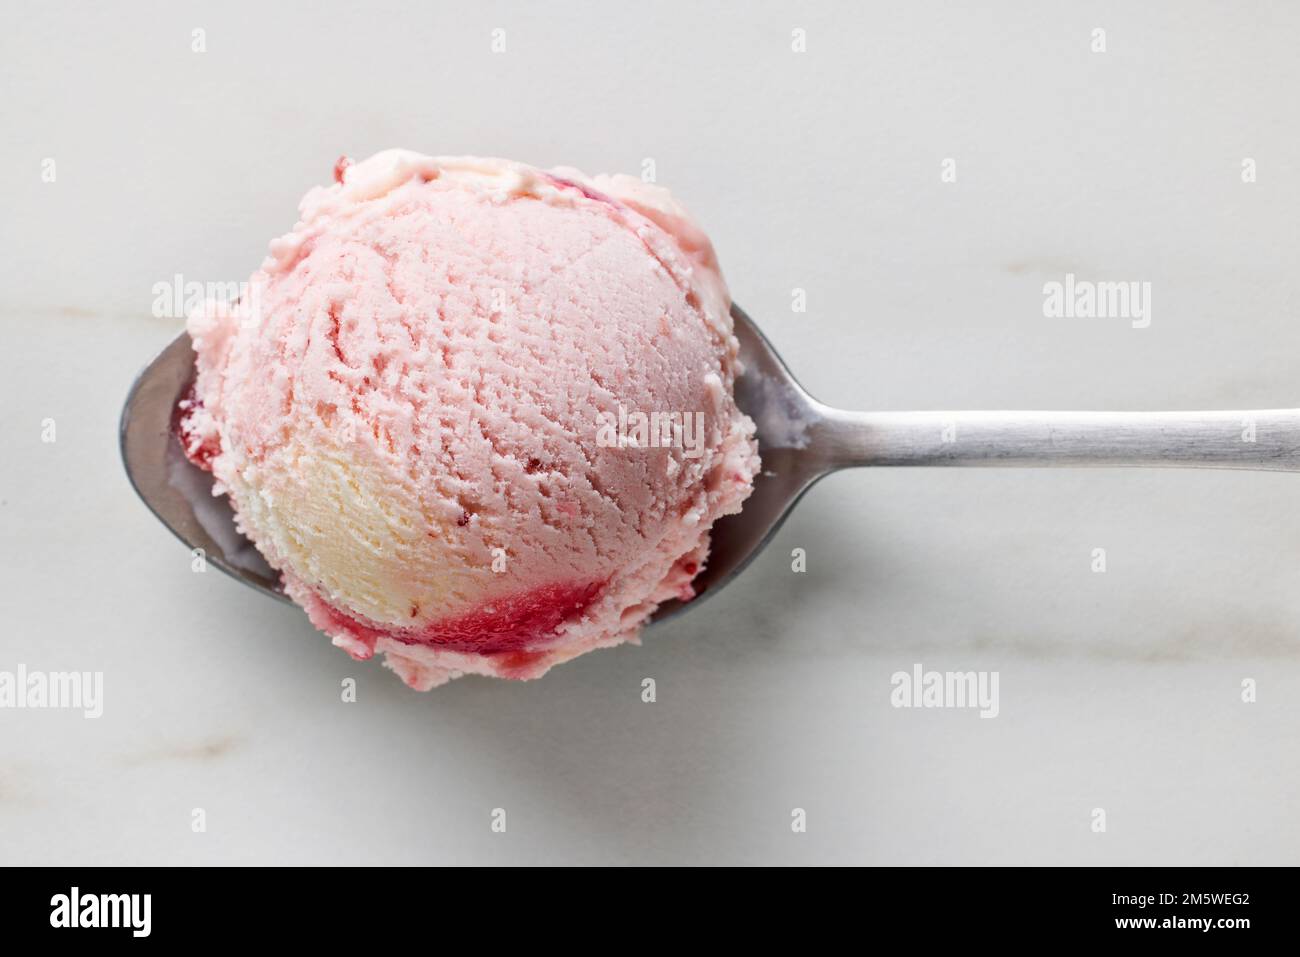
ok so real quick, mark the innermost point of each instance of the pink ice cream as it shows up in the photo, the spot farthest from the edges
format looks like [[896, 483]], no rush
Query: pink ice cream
[[478, 415]]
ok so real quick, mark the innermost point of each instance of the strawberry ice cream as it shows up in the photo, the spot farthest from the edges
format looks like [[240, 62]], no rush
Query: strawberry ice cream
[[479, 416]]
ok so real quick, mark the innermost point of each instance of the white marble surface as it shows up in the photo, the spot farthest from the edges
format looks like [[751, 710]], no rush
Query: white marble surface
[[817, 170]]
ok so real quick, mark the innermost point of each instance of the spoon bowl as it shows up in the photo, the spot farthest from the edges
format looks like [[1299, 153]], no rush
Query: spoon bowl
[[179, 493]]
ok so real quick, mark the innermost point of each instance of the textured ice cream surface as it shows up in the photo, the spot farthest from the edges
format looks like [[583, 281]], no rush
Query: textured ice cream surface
[[478, 415]]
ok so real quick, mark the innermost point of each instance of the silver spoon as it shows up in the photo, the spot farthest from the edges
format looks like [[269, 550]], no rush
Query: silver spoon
[[800, 441]]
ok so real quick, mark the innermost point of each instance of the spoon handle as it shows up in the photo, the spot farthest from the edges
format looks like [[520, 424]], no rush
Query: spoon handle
[[1252, 439]]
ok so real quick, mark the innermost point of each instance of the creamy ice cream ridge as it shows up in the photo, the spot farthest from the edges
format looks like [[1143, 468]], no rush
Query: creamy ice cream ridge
[[478, 415]]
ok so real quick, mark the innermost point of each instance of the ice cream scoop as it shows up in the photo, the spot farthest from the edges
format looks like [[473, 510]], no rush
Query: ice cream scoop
[[327, 514], [477, 415]]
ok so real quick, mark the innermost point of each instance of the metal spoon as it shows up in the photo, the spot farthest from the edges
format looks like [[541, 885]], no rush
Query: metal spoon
[[800, 441]]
